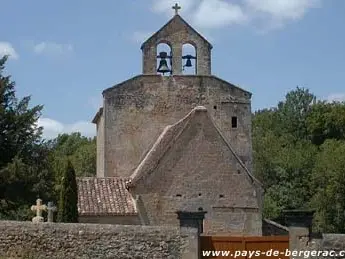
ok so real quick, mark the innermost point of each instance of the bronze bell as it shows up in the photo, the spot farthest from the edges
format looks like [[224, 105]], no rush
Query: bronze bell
[[188, 60], [163, 64], [188, 63]]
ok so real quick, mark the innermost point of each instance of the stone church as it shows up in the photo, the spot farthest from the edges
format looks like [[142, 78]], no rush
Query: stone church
[[169, 141]]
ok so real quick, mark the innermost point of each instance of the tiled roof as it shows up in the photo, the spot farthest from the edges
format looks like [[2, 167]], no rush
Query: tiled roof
[[104, 197]]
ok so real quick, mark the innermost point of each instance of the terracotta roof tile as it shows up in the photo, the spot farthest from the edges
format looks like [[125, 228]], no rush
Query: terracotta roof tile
[[104, 197]]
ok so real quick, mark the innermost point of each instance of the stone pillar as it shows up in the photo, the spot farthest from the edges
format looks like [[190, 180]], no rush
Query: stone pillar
[[176, 59], [192, 220], [149, 60], [203, 60], [299, 223]]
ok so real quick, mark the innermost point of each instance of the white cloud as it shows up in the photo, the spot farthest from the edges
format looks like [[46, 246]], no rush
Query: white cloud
[[218, 13], [337, 97], [52, 128], [52, 48], [6, 48], [283, 9]]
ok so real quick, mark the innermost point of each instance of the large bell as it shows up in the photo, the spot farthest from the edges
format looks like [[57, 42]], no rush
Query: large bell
[[163, 66]]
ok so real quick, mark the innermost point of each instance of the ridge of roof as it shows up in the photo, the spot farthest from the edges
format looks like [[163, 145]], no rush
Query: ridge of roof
[[166, 136], [97, 115]]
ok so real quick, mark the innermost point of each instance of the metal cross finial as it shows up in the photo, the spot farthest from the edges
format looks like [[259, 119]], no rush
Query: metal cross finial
[[176, 7]]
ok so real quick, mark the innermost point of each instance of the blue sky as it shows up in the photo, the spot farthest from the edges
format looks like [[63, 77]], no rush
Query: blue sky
[[65, 53]]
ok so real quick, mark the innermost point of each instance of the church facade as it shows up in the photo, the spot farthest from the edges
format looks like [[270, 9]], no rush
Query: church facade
[[176, 142]]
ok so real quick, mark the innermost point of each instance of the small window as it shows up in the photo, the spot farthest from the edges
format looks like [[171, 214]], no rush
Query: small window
[[221, 196], [215, 107], [178, 195], [234, 122]]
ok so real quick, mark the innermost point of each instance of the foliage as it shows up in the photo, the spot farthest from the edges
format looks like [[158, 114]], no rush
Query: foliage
[[298, 150], [326, 121], [328, 182], [80, 150], [29, 166], [68, 203], [24, 167]]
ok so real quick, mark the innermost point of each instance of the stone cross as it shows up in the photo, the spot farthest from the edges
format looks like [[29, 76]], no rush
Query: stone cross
[[176, 7], [39, 207], [51, 209]]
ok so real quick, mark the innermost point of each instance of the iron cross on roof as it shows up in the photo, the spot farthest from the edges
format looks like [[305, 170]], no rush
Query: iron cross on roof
[[176, 7]]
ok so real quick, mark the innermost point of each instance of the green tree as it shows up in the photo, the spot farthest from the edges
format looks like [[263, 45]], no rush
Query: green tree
[[79, 150], [18, 123], [283, 154], [326, 121], [24, 167], [84, 159], [328, 183], [293, 112], [68, 203]]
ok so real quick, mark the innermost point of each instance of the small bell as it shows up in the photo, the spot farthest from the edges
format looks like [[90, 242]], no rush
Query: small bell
[[188, 63], [188, 60]]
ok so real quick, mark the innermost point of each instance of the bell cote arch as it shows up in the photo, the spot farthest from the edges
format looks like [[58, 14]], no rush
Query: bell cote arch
[[187, 47]]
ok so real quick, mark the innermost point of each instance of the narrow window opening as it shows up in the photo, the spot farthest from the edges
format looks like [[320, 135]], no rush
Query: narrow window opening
[[189, 59], [199, 194], [178, 195], [215, 107], [221, 196], [234, 122]]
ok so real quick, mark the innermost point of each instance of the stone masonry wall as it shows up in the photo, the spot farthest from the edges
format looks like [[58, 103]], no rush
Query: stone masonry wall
[[182, 182], [137, 111], [177, 33], [55, 240]]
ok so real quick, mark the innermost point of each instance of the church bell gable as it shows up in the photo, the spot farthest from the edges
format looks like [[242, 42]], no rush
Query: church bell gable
[[176, 33]]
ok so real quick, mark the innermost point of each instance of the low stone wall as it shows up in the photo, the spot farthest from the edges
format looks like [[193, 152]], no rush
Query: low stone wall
[[302, 238], [327, 242], [333, 241], [55, 240]]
